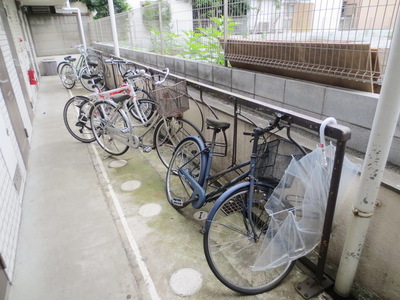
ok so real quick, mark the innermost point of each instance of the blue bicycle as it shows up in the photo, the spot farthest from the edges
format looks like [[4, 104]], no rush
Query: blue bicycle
[[237, 222]]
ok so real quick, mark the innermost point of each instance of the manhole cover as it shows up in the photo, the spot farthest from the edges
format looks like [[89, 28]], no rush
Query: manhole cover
[[149, 210], [186, 282], [130, 185], [117, 163], [200, 215]]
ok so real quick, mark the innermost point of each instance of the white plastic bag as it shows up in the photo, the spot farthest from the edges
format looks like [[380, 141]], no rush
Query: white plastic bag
[[297, 207]]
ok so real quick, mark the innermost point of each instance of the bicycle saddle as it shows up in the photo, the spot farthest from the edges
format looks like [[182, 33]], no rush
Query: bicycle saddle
[[118, 99], [69, 58], [217, 124], [92, 76]]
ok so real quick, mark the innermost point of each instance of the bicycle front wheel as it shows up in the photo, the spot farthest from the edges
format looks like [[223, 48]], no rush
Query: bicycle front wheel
[[76, 117], [68, 76], [168, 134], [188, 156], [110, 128], [229, 244]]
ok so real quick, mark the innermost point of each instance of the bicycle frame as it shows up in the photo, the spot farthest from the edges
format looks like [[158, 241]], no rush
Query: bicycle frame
[[124, 137], [131, 139], [199, 187]]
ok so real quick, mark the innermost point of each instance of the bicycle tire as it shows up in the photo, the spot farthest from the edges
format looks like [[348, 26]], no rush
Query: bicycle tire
[[229, 247], [59, 66], [169, 133], [67, 76], [109, 127], [142, 94], [147, 110], [87, 83], [97, 60], [76, 116], [188, 155]]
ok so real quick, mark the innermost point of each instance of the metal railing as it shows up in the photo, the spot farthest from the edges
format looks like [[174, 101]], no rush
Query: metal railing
[[340, 42]]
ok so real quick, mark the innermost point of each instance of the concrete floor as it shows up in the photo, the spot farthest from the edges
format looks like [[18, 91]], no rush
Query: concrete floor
[[91, 230]]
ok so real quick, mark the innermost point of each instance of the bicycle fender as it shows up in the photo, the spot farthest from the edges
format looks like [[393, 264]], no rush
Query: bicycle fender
[[198, 196], [203, 156], [226, 194], [221, 199], [199, 140]]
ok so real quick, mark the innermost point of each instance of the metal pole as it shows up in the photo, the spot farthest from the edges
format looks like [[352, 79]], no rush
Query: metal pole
[[160, 20], [381, 137], [113, 27], [226, 12], [131, 27]]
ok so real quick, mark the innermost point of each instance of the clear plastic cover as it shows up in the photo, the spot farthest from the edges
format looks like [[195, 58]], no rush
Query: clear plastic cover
[[297, 207]]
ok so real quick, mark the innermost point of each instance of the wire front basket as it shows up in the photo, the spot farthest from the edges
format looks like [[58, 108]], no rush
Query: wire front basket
[[172, 100], [273, 158]]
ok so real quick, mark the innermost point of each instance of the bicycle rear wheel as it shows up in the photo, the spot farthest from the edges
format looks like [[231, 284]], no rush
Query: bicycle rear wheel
[[67, 76], [229, 246], [142, 94], [110, 128], [147, 110], [168, 134], [76, 115], [59, 66], [189, 156], [88, 83]]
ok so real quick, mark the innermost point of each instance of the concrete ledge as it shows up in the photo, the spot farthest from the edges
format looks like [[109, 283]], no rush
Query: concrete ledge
[[243, 81], [351, 108], [310, 97], [191, 69], [153, 59], [180, 67], [169, 62], [271, 87], [222, 77], [205, 73]]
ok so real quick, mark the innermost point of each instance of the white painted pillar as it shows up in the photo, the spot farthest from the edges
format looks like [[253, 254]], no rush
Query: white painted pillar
[[113, 27], [381, 137]]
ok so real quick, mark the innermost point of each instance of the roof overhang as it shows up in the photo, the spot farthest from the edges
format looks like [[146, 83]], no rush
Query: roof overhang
[[42, 2]]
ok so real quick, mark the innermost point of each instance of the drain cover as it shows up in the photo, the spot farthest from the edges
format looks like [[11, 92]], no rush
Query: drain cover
[[186, 282], [117, 163], [149, 210], [200, 215], [130, 185]]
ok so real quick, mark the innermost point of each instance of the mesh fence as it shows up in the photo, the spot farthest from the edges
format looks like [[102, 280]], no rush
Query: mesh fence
[[332, 41]]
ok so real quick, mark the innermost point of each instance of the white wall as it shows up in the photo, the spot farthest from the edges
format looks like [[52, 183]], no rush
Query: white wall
[[12, 167], [182, 18]]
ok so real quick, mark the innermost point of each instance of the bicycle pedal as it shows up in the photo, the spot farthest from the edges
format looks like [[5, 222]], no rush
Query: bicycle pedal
[[80, 124], [178, 202], [125, 130], [147, 149]]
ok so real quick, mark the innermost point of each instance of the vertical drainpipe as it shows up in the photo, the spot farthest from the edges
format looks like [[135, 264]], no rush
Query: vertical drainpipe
[[382, 132], [78, 13], [113, 27]]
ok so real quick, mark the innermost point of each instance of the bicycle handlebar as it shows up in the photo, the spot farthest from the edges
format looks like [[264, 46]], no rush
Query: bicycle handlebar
[[114, 61], [142, 73], [275, 124], [166, 72]]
